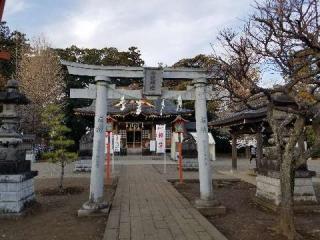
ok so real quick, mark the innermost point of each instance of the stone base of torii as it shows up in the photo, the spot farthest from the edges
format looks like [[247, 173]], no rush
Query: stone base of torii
[[104, 91]]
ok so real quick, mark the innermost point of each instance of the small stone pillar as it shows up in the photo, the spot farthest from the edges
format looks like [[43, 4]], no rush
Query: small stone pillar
[[16, 177], [96, 203]]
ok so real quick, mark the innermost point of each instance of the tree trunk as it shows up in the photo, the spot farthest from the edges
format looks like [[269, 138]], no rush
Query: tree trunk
[[287, 178], [287, 227], [285, 152], [61, 176]]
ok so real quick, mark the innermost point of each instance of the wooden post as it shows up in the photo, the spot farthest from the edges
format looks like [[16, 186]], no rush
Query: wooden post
[[259, 153], [234, 153], [248, 152], [301, 145]]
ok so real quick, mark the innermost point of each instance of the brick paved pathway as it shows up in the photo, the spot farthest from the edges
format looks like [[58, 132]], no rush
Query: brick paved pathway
[[148, 207]]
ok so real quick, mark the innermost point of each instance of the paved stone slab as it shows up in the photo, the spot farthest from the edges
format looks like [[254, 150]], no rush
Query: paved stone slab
[[146, 206]]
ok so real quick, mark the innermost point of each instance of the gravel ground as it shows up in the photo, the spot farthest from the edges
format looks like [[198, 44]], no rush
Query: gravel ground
[[246, 221]]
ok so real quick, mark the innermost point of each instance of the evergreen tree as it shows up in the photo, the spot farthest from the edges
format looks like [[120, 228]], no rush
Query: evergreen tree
[[53, 118]]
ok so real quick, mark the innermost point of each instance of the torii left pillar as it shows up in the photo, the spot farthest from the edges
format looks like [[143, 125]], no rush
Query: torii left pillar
[[96, 203]]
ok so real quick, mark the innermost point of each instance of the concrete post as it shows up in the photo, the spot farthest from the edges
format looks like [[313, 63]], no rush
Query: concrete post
[[205, 170], [96, 201]]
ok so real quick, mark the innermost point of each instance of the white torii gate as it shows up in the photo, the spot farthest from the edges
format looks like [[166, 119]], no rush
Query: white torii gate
[[153, 78]]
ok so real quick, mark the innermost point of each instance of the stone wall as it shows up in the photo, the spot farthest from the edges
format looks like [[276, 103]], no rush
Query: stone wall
[[268, 189]]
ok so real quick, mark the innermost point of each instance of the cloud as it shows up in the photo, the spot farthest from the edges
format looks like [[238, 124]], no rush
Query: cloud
[[164, 30], [15, 6]]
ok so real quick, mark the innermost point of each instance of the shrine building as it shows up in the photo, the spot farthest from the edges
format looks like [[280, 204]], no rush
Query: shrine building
[[137, 125]]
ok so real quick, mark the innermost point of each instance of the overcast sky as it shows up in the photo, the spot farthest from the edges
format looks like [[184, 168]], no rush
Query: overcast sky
[[164, 30]]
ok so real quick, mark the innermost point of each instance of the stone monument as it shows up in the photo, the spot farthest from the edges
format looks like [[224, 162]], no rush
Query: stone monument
[[16, 177], [83, 164]]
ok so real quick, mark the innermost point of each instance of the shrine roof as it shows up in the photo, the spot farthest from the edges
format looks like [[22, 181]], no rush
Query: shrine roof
[[245, 116], [239, 118], [150, 108]]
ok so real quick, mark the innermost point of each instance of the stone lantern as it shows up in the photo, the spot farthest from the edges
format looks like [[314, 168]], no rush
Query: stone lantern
[[16, 177]]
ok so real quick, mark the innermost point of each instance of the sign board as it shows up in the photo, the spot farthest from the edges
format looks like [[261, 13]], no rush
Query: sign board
[[161, 138], [152, 146], [116, 143], [106, 142], [152, 81]]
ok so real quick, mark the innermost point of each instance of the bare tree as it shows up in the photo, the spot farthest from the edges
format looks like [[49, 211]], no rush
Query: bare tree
[[283, 35], [41, 79]]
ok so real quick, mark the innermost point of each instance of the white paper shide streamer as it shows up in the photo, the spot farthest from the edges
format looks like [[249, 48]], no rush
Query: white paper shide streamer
[[179, 104], [122, 103], [139, 107], [162, 107]]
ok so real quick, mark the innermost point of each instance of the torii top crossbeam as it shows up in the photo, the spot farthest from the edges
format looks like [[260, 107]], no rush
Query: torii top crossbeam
[[152, 80], [80, 69]]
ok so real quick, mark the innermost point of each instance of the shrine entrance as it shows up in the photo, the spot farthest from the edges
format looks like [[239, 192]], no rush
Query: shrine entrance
[[134, 143], [103, 92]]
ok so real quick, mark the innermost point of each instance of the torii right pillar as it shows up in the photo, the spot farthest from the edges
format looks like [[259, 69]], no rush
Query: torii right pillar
[[207, 200]]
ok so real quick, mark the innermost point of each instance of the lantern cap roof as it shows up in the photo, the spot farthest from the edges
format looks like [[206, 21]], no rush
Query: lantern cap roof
[[111, 118], [179, 118], [12, 95]]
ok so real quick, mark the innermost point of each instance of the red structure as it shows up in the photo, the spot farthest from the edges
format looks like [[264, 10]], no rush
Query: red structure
[[3, 54], [2, 3], [179, 127]]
